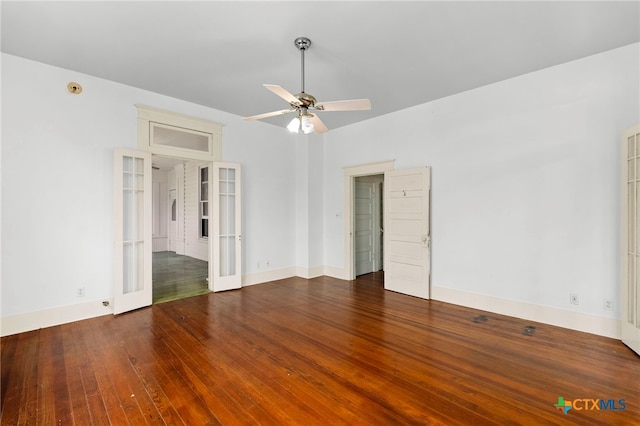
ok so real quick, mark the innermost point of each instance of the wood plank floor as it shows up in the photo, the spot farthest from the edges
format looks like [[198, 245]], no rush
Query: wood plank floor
[[313, 352], [176, 277]]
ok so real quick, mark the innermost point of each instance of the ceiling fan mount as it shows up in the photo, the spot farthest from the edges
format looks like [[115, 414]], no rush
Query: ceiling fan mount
[[303, 102], [302, 43]]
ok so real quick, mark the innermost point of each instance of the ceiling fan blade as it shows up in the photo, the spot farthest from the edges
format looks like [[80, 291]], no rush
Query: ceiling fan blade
[[283, 93], [318, 125], [350, 105], [268, 114]]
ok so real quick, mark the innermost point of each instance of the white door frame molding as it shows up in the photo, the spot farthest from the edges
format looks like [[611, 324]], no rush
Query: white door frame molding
[[149, 118], [350, 173]]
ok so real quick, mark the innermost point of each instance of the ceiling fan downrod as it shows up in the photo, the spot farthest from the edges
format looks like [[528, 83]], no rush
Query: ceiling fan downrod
[[302, 43]]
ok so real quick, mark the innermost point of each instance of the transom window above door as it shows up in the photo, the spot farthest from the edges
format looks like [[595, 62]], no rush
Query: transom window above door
[[170, 136], [175, 135]]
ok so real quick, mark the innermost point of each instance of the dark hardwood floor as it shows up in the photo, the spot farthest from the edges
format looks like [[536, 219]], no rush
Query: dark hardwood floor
[[176, 277], [314, 352]]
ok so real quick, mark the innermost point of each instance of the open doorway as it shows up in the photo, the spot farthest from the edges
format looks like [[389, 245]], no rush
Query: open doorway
[[180, 258], [195, 142], [368, 220], [374, 172]]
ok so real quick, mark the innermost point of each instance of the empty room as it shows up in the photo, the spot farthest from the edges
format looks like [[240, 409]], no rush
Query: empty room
[[319, 212]]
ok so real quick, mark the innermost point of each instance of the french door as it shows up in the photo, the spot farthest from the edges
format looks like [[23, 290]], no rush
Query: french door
[[630, 294], [407, 236], [133, 286], [225, 245], [133, 221]]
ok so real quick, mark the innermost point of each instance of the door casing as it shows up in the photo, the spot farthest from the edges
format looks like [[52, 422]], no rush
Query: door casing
[[148, 116]]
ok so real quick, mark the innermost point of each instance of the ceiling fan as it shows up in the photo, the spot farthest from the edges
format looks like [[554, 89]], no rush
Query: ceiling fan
[[303, 102]]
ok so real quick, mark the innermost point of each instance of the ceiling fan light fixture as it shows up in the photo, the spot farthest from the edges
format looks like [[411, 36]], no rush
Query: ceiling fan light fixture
[[303, 122], [294, 125], [306, 124]]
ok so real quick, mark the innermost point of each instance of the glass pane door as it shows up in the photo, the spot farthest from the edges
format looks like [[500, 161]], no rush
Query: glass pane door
[[630, 324], [132, 224], [227, 227], [132, 181]]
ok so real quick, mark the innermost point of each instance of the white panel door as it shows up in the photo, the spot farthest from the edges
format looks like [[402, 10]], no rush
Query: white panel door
[[226, 227], [364, 227], [630, 324], [407, 237], [133, 239]]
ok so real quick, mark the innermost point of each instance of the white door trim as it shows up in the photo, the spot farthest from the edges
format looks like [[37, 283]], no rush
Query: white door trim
[[350, 173]]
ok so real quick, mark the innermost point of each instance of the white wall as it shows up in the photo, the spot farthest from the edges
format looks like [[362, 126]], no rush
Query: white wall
[[316, 202], [267, 155], [57, 184], [309, 202], [525, 181]]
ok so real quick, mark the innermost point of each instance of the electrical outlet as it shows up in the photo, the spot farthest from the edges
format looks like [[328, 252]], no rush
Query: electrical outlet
[[608, 304], [573, 299], [80, 292]]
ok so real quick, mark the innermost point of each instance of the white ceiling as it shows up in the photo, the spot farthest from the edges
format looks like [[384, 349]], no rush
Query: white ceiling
[[398, 54]]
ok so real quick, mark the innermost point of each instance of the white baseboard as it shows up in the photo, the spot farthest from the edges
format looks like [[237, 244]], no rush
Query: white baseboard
[[54, 316], [29, 321], [308, 273], [579, 321], [266, 276], [293, 271], [603, 326]]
